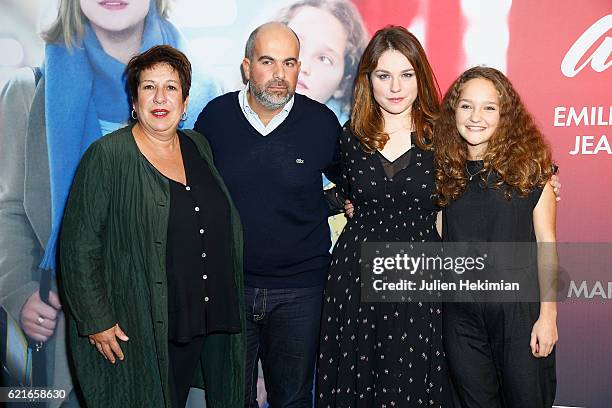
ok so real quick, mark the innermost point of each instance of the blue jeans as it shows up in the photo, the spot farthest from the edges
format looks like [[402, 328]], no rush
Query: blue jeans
[[282, 327]]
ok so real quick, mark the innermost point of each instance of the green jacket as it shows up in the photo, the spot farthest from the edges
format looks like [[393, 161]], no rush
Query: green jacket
[[112, 270]]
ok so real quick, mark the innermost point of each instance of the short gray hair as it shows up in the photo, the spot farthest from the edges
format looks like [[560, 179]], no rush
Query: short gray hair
[[249, 49]]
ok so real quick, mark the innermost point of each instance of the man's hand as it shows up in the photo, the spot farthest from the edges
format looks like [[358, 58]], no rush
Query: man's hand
[[38, 319], [349, 210], [555, 182]]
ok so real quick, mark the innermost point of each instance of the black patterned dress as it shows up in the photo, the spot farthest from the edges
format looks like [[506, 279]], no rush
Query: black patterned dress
[[381, 354]]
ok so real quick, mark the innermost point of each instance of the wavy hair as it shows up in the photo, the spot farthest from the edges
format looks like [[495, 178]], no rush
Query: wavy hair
[[517, 153], [69, 26], [356, 37], [367, 122]]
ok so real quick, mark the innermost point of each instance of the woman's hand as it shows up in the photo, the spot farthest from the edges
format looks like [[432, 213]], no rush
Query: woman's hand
[[544, 336], [37, 318], [349, 210], [106, 342]]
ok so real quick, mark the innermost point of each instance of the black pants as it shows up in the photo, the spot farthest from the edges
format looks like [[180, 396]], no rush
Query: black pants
[[487, 348], [184, 359]]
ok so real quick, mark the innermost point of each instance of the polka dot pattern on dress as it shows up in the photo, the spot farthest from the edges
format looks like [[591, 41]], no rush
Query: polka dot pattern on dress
[[380, 354]]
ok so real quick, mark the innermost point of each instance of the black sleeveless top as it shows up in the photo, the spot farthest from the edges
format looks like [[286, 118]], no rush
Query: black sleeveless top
[[482, 213], [201, 290]]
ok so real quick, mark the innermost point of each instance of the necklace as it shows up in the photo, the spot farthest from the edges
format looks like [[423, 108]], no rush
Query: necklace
[[470, 174]]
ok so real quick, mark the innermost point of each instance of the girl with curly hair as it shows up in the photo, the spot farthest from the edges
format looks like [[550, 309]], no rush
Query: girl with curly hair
[[492, 172]]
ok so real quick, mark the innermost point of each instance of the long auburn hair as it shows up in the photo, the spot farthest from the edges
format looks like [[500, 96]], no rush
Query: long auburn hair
[[367, 123], [517, 153]]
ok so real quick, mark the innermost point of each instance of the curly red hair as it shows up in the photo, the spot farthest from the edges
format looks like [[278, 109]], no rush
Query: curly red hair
[[366, 118], [517, 153]]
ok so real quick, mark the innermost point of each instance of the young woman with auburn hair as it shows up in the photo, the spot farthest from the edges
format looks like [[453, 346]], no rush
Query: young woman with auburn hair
[[492, 172], [384, 354], [367, 122]]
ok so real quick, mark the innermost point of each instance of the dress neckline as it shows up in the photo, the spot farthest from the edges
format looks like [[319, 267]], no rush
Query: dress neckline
[[397, 158]]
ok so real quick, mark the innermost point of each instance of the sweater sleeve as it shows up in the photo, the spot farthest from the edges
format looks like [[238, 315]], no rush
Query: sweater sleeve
[[334, 170], [82, 247], [336, 196]]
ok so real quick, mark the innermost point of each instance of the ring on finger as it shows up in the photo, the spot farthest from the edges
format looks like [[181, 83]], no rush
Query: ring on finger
[[40, 320]]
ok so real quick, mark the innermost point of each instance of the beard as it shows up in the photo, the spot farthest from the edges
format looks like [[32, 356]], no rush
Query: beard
[[270, 100]]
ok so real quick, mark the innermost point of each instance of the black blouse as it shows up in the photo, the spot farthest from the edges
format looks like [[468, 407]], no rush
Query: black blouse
[[201, 290], [483, 214]]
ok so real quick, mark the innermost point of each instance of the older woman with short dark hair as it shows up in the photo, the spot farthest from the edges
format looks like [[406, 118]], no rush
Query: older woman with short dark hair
[[151, 256]]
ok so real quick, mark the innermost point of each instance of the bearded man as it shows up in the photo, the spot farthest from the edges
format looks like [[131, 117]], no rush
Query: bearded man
[[271, 146]]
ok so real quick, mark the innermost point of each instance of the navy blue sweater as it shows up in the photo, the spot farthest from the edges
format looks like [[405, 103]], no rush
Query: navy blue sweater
[[275, 182]]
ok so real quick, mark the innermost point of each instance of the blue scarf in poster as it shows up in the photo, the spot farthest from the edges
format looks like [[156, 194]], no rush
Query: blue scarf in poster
[[82, 86]]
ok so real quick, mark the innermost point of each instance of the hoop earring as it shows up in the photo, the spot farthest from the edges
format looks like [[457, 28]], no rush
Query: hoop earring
[[133, 114], [184, 116]]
